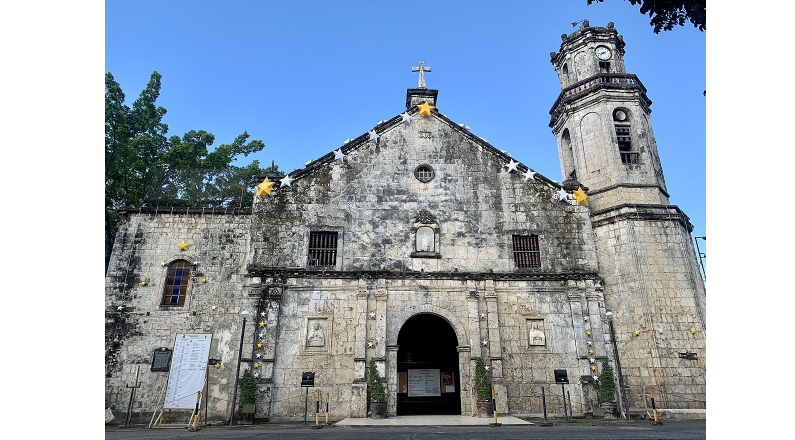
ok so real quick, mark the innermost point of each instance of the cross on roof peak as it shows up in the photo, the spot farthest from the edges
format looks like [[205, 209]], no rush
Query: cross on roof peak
[[422, 69]]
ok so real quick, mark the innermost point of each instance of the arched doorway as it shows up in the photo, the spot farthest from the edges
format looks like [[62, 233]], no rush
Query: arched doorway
[[427, 367]]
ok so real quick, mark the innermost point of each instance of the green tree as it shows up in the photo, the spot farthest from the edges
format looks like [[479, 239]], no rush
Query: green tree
[[248, 388], [377, 391], [607, 383], [482, 388], [144, 167], [665, 14]]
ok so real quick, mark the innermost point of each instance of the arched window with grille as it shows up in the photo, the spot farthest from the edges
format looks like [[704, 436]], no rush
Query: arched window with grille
[[176, 286]]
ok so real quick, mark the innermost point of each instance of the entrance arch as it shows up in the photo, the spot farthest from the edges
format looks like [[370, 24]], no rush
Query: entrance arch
[[428, 367]]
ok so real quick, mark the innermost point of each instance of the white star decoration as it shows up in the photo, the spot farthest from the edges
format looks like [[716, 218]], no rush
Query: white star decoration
[[369, 344], [592, 360], [261, 334], [259, 355], [529, 176], [482, 315], [338, 155], [512, 165], [406, 117], [464, 126], [373, 135], [590, 343], [485, 342], [562, 194], [263, 314], [595, 378], [286, 181], [372, 315], [347, 141], [584, 318], [256, 374], [488, 368], [214, 307], [119, 308]]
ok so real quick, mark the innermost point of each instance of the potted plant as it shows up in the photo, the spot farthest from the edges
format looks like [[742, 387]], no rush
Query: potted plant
[[607, 390], [377, 392], [482, 389], [248, 398]]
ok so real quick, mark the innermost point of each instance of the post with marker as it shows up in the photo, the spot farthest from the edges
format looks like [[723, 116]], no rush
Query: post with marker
[[327, 408], [317, 410], [494, 408], [562, 377], [307, 381]]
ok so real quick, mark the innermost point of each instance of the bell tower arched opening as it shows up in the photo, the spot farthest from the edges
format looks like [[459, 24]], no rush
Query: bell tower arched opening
[[428, 367]]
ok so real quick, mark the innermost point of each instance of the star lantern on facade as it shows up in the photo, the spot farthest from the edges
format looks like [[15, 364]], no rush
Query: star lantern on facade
[[584, 318], [562, 194], [482, 316], [261, 324], [256, 374], [512, 165], [214, 307], [590, 352], [637, 333], [120, 308], [485, 342], [372, 315], [259, 344], [595, 378], [529, 176], [262, 313], [204, 280], [592, 360], [256, 365], [588, 333], [183, 246], [261, 334], [582, 198], [488, 367], [286, 181], [370, 344], [338, 155], [373, 135], [405, 117], [264, 187], [259, 355], [692, 331], [143, 283], [425, 109], [590, 343], [217, 366], [593, 367]]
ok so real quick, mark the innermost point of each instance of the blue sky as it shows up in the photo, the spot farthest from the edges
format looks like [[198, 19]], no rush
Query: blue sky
[[304, 76]]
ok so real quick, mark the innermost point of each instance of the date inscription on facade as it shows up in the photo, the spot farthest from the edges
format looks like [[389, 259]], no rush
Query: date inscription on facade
[[426, 135]]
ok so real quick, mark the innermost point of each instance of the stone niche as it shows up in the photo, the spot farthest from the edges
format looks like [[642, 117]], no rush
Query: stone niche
[[316, 335]]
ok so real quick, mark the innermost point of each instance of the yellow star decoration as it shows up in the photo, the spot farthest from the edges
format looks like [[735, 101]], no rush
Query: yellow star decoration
[[262, 324], [204, 280], [588, 333], [264, 187], [259, 344], [590, 351], [425, 109], [593, 367], [256, 365], [692, 330], [582, 198], [143, 283], [218, 366], [183, 246], [637, 333]]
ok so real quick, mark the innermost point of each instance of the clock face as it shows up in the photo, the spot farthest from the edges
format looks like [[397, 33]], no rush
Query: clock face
[[602, 53]]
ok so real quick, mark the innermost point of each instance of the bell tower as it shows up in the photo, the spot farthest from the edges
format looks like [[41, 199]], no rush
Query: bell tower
[[652, 286]]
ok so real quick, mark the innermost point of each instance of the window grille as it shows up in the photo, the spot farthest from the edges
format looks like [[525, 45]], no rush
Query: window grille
[[322, 249], [176, 283], [525, 251], [424, 173]]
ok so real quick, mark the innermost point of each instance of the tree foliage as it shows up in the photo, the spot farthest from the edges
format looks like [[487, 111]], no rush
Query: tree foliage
[[377, 391], [144, 167], [665, 14], [482, 388], [607, 383]]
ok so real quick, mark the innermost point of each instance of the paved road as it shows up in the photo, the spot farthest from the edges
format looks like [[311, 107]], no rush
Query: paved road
[[679, 430]]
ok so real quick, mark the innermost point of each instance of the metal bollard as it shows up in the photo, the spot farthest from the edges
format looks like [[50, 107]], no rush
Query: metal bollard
[[494, 407]]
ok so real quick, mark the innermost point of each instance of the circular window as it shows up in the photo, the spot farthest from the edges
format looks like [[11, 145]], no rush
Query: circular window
[[424, 173], [619, 115]]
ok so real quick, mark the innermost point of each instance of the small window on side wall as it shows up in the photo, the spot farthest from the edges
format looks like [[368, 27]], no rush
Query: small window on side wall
[[526, 253], [322, 248], [176, 287]]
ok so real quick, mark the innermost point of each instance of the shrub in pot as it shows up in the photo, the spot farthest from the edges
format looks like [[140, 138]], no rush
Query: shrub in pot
[[377, 392], [607, 389], [482, 389], [248, 397]]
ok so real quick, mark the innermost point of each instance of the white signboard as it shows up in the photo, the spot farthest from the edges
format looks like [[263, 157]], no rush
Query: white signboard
[[424, 382], [188, 369]]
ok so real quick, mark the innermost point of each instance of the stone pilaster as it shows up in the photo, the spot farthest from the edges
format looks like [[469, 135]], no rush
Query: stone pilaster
[[391, 379]]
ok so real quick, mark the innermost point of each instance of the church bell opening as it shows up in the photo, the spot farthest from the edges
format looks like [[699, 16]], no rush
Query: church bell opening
[[427, 366]]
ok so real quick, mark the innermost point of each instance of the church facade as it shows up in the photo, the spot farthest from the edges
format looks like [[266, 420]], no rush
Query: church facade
[[420, 247]]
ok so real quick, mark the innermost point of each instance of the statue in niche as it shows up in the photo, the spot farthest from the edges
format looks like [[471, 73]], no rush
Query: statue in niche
[[425, 239], [536, 335], [316, 337]]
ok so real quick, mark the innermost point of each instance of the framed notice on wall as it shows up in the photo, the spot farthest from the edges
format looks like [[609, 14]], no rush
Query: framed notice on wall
[[424, 382], [188, 370]]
